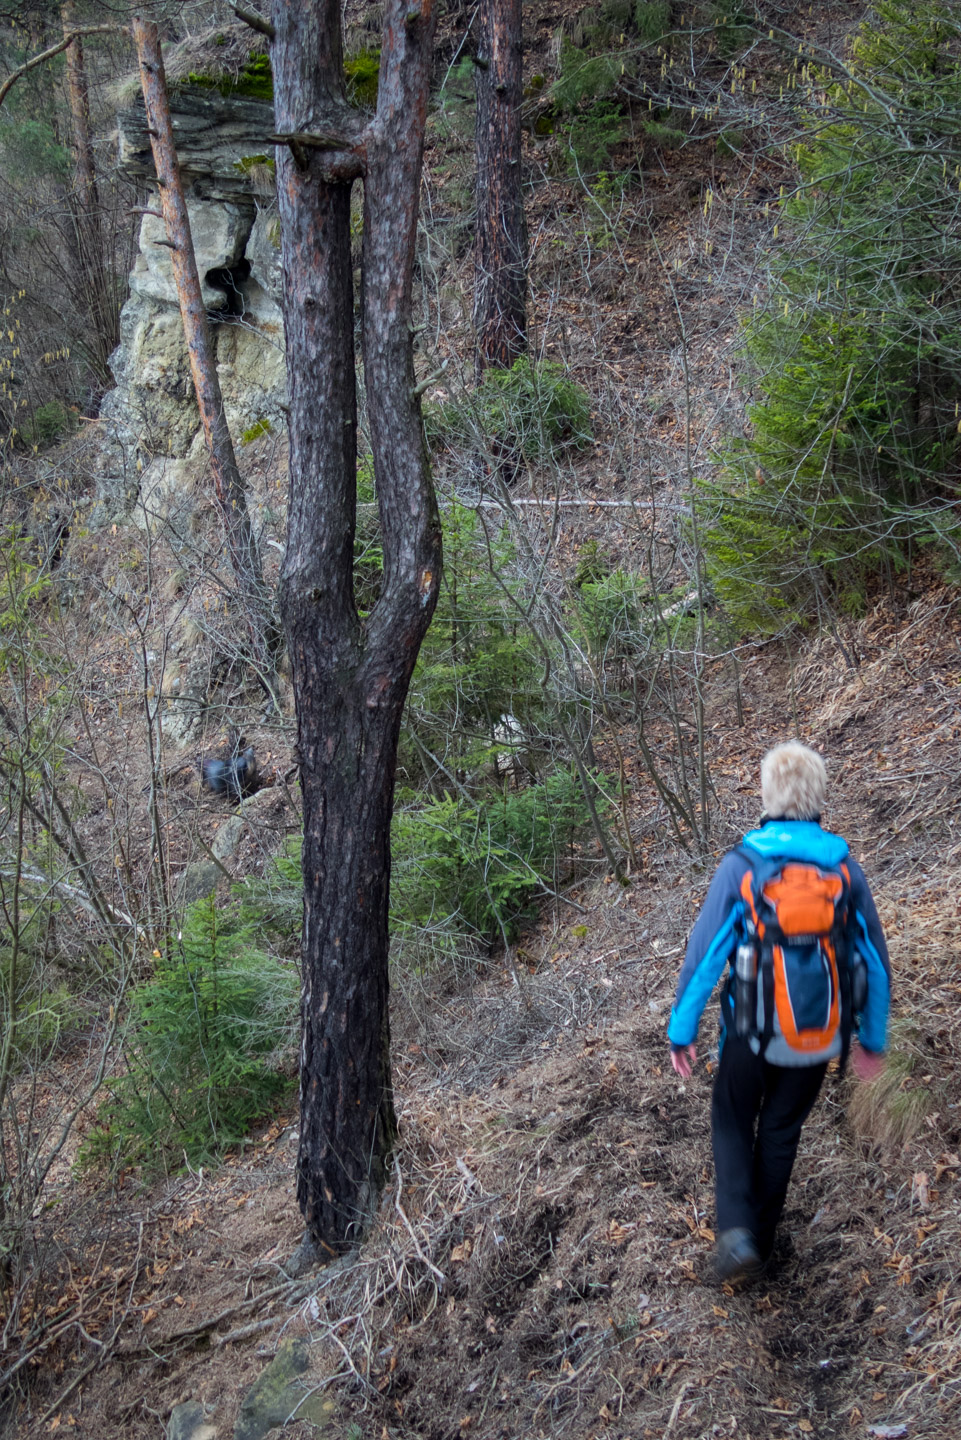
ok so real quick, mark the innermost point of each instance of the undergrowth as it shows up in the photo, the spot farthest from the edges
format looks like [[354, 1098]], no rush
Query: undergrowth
[[206, 1052]]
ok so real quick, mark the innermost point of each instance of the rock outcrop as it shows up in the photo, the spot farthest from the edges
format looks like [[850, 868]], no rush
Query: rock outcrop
[[154, 428]]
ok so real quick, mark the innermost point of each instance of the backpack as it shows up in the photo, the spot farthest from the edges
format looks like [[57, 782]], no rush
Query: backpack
[[797, 977]]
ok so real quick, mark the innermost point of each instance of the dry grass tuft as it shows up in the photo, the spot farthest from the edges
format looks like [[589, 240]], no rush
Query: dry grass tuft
[[890, 1111], [220, 52]]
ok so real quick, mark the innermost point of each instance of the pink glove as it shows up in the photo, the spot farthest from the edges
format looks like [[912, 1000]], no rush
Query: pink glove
[[683, 1059], [866, 1064]]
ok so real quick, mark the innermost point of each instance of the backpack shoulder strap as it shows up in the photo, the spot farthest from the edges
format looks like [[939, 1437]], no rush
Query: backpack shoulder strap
[[844, 946], [763, 867]]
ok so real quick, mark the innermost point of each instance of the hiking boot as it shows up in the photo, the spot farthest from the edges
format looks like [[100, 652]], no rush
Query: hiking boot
[[736, 1259]]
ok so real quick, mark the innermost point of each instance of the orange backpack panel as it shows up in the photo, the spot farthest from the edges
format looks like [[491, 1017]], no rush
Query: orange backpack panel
[[804, 900], [798, 912]]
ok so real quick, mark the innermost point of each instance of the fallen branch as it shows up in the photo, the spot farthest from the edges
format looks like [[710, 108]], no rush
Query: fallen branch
[[202, 1327], [255, 21], [75, 895], [245, 1331]]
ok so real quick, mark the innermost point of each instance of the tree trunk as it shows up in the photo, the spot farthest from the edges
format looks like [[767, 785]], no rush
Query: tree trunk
[[500, 257], [350, 676], [229, 492], [80, 110], [96, 291]]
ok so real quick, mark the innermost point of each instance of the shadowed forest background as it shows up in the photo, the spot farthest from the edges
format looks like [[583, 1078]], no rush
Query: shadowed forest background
[[700, 495]]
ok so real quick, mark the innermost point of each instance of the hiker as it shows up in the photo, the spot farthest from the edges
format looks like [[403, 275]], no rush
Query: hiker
[[792, 913]]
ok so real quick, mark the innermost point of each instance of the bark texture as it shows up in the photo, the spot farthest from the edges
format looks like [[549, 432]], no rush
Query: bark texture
[[228, 486], [79, 108], [500, 259], [95, 284], [350, 675]]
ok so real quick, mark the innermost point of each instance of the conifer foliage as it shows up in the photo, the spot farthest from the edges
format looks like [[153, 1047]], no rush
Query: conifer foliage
[[205, 1055], [855, 357]]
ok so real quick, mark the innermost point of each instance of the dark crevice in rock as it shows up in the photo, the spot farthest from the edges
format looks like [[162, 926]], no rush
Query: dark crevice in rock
[[229, 279]]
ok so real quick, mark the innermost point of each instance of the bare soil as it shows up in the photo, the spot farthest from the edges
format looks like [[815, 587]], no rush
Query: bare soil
[[540, 1264]]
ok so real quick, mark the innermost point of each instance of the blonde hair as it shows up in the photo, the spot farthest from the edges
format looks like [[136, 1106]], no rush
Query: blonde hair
[[794, 782]]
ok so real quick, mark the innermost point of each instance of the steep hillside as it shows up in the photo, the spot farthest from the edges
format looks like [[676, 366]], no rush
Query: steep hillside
[[540, 1262]]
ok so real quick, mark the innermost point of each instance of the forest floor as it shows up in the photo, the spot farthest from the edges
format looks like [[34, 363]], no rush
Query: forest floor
[[540, 1265]]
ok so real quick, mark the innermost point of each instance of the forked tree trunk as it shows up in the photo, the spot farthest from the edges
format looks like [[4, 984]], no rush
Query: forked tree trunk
[[350, 675], [500, 255], [228, 486]]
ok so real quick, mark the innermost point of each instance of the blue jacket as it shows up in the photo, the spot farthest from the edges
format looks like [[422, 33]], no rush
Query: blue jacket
[[719, 928]]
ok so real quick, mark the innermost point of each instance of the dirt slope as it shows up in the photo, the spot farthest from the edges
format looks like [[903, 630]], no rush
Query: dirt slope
[[540, 1264]]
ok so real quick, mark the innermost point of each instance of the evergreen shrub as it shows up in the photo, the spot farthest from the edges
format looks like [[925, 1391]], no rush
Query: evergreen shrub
[[612, 613], [465, 870], [48, 424], [32, 150], [592, 136], [35, 1007], [363, 76], [652, 19], [735, 25], [622, 624], [205, 1053], [598, 71], [368, 550], [455, 111], [479, 661], [482, 864], [855, 358], [533, 409]]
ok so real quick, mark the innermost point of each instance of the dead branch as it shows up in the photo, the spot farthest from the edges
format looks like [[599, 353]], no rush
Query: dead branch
[[55, 50], [255, 21], [201, 1327]]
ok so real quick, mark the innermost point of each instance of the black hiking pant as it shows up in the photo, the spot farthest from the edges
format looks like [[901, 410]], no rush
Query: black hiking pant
[[757, 1111]]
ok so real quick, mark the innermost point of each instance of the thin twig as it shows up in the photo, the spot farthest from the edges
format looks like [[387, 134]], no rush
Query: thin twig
[[410, 1229], [74, 1385]]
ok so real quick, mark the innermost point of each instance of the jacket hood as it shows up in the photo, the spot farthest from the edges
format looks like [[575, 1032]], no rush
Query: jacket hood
[[797, 840]]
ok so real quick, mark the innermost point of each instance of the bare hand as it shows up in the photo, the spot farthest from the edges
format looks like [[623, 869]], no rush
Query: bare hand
[[866, 1064], [683, 1060]]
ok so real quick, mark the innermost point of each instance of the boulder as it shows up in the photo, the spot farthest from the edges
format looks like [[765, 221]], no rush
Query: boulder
[[198, 880], [189, 1422], [166, 497], [219, 232], [153, 410], [215, 135], [152, 413], [228, 837], [281, 1394]]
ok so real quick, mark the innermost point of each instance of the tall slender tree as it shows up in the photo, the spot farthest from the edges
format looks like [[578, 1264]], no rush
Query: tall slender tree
[[228, 486], [76, 227], [350, 674], [97, 283], [500, 256]]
